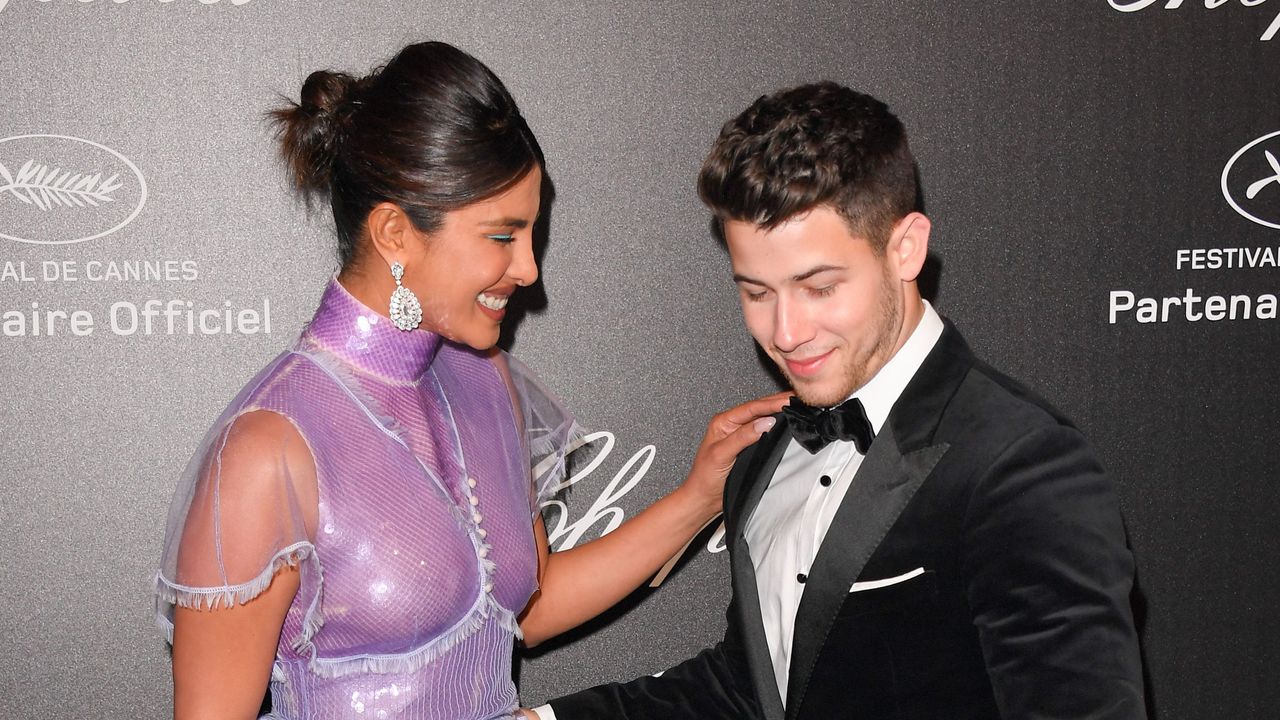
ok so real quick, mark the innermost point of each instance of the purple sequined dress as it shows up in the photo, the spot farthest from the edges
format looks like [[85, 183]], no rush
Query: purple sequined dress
[[395, 471]]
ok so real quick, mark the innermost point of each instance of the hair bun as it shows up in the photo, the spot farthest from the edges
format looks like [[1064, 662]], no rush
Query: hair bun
[[327, 92], [311, 131]]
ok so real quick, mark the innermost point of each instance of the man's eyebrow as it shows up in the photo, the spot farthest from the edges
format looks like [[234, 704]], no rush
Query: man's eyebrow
[[814, 271], [510, 222], [740, 278]]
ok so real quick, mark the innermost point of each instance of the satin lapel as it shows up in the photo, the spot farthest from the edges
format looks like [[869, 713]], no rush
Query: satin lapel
[[754, 480], [745, 490], [882, 487]]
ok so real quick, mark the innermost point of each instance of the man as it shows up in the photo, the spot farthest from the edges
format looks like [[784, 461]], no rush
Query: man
[[943, 544]]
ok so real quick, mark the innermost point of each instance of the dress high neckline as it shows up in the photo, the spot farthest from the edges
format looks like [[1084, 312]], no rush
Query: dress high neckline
[[367, 339]]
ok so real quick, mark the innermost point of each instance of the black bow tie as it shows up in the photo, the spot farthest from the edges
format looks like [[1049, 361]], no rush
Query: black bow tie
[[815, 427]]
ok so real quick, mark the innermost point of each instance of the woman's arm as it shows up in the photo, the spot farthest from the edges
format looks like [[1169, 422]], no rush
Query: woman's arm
[[222, 658], [256, 480], [580, 583]]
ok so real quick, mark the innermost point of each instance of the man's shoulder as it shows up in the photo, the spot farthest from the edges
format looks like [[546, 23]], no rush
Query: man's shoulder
[[992, 409], [995, 421], [1008, 397], [959, 399]]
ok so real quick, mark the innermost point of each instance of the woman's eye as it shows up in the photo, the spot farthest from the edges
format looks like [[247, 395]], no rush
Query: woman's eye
[[502, 237], [823, 291]]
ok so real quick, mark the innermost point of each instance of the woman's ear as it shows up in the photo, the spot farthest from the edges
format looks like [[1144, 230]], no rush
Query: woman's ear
[[390, 231], [909, 245]]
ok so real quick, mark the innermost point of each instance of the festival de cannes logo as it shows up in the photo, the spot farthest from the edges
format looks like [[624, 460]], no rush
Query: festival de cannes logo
[[1251, 180], [58, 190]]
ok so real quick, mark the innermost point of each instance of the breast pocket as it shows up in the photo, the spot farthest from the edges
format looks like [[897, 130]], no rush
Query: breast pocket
[[886, 636], [909, 592]]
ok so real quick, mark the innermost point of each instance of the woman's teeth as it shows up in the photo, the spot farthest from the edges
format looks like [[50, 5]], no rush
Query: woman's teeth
[[493, 302]]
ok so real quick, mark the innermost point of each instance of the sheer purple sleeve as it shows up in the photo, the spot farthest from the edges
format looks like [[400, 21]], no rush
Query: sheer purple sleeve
[[244, 510], [552, 433]]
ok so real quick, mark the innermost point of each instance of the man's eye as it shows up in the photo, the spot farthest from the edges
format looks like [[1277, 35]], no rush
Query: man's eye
[[502, 237], [822, 291], [754, 296]]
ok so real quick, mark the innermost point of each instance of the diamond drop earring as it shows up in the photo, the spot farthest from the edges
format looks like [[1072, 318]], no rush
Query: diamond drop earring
[[406, 311]]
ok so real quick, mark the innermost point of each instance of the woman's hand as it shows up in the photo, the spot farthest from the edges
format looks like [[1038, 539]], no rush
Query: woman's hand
[[728, 434], [578, 583]]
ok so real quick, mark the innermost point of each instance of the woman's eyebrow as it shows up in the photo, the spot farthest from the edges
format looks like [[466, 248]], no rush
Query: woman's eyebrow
[[507, 222]]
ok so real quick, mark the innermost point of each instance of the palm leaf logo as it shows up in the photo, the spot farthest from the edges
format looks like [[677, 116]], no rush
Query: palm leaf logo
[[37, 184]]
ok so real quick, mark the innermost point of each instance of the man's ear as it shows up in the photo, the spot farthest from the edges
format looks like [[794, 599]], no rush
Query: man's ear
[[909, 245], [389, 231]]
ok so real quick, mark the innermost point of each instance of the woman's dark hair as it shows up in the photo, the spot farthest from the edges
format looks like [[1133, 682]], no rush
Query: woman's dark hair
[[431, 131], [819, 144]]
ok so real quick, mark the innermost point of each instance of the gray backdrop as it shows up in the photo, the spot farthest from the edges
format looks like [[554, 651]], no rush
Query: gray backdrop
[[1082, 161]]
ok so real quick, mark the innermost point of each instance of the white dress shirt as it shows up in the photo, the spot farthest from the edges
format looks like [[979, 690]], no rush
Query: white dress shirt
[[788, 526]]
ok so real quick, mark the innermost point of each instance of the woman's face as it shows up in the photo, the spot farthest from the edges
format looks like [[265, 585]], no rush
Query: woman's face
[[464, 272]]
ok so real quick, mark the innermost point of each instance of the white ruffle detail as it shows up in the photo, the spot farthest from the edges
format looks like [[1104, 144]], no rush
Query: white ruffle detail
[[505, 619], [485, 610], [313, 620], [553, 450], [225, 596]]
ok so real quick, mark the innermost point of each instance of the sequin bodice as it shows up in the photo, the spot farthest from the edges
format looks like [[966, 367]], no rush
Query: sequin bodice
[[419, 550]]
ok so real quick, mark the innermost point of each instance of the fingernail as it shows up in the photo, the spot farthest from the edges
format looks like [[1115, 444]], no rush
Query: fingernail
[[763, 425]]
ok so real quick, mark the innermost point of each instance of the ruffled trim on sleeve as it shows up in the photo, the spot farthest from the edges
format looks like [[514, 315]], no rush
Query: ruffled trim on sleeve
[[485, 610], [552, 434], [552, 453], [170, 594]]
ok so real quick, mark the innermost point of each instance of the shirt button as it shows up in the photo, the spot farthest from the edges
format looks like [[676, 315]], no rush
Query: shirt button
[[801, 578], [484, 552], [477, 517], [488, 587], [475, 500], [825, 480], [471, 482]]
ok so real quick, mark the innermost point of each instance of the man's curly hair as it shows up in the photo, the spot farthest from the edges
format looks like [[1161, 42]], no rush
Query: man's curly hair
[[819, 144]]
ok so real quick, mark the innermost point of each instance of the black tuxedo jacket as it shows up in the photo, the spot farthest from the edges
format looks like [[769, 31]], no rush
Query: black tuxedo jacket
[[1022, 610]]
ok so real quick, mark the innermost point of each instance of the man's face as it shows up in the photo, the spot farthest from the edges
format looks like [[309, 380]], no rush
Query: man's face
[[820, 301]]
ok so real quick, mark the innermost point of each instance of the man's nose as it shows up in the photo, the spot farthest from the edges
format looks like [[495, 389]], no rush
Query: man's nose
[[792, 326]]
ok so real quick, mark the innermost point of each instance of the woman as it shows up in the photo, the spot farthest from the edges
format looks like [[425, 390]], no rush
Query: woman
[[361, 527]]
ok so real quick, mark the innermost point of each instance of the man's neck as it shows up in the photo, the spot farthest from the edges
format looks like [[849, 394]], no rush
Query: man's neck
[[879, 394], [911, 314], [913, 310]]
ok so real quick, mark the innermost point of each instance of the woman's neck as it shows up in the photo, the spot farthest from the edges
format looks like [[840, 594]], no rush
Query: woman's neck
[[369, 282]]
